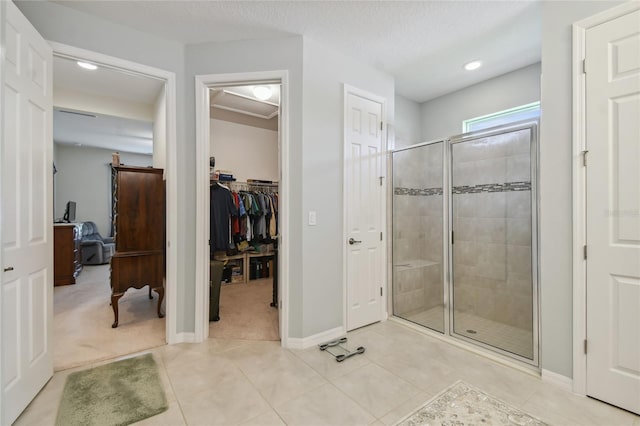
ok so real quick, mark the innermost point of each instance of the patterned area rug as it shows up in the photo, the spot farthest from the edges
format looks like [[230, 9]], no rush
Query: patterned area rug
[[118, 393], [462, 404]]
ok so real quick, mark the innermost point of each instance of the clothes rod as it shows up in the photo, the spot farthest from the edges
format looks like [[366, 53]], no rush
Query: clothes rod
[[273, 184]]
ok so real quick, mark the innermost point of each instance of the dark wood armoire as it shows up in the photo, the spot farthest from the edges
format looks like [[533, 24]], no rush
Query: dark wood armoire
[[139, 224]]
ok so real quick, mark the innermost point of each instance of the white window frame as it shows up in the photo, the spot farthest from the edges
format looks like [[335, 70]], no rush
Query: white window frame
[[466, 124]]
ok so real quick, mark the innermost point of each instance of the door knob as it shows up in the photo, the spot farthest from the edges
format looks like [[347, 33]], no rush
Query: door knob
[[352, 241], [10, 268]]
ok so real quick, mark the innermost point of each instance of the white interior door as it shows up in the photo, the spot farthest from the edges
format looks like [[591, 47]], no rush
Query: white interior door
[[613, 211], [364, 209], [27, 214]]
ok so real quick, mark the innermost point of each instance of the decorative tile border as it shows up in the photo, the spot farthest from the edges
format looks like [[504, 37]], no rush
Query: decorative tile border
[[417, 191], [493, 187], [466, 189]]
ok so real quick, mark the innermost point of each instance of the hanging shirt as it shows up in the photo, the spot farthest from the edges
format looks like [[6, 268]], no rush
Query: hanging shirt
[[235, 222], [273, 232], [221, 210]]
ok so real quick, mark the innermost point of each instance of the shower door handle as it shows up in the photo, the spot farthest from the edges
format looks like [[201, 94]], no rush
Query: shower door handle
[[352, 241]]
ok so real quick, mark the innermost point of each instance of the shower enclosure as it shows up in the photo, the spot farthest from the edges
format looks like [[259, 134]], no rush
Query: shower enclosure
[[464, 238]]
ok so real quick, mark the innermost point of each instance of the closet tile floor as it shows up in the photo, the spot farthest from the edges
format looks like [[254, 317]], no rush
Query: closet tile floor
[[234, 382]]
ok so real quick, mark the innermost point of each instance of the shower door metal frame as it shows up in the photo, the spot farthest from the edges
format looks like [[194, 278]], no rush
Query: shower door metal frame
[[445, 239], [532, 125], [447, 220]]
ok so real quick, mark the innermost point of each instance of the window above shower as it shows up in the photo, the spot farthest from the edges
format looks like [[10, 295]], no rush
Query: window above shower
[[524, 112]]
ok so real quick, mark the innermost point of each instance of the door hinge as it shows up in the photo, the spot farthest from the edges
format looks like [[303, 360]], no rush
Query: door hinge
[[381, 125], [380, 291], [209, 242], [584, 157], [584, 66], [585, 346], [381, 177], [381, 236], [584, 252], [452, 239]]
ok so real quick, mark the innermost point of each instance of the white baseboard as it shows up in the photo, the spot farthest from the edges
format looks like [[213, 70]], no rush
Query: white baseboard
[[184, 338], [559, 380], [316, 339]]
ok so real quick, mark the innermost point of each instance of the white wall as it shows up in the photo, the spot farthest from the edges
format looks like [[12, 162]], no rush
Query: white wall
[[72, 99], [408, 128], [443, 116], [159, 130], [323, 166], [84, 176], [249, 152], [555, 181]]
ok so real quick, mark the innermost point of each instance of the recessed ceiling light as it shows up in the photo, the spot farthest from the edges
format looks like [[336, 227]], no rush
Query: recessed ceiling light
[[87, 66], [262, 92], [473, 65]]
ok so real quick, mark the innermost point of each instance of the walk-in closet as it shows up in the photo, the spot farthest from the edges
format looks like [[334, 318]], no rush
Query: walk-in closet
[[244, 204]]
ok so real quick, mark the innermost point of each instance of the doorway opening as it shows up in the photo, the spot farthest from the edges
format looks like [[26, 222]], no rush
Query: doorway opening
[[242, 206], [103, 106], [244, 180]]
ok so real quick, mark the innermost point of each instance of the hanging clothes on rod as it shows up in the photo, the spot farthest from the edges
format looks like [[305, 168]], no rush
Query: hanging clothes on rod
[[259, 202], [222, 208]]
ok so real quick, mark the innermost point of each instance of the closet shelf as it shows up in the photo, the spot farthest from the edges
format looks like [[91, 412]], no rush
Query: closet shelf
[[245, 262]]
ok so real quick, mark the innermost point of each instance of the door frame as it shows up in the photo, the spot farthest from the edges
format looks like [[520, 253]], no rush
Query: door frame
[[351, 90], [3, 12], [171, 308], [203, 139], [579, 186]]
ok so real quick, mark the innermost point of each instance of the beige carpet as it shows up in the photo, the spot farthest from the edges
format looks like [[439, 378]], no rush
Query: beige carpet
[[82, 318], [245, 312]]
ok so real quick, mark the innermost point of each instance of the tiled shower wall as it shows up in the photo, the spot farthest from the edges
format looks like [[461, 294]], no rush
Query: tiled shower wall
[[417, 229], [492, 226]]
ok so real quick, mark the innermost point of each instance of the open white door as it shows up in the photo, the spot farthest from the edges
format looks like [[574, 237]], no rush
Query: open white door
[[27, 213], [364, 202], [613, 206]]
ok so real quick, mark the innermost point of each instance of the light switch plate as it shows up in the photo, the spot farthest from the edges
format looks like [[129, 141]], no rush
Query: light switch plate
[[312, 218]]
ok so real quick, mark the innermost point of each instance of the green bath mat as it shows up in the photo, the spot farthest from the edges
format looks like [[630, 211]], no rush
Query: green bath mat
[[119, 393]]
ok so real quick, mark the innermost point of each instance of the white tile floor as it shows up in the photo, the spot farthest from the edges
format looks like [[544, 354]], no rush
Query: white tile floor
[[230, 382]]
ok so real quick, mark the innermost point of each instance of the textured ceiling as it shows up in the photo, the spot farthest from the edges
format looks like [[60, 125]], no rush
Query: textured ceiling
[[423, 44], [102, 131]]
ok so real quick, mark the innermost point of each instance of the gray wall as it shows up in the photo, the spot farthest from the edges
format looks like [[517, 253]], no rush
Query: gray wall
[[408, 128], [443, 116], [322, 176], [555, 181], [68, 26], [322, 143], [249, 56], [84, 176]]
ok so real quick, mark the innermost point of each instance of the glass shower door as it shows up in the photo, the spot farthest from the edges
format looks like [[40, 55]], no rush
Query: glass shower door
[[418, 237], [493, 290]]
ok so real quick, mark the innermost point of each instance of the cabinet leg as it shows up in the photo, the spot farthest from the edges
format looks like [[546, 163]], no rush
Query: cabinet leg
[[114, 305], [160, 291]]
